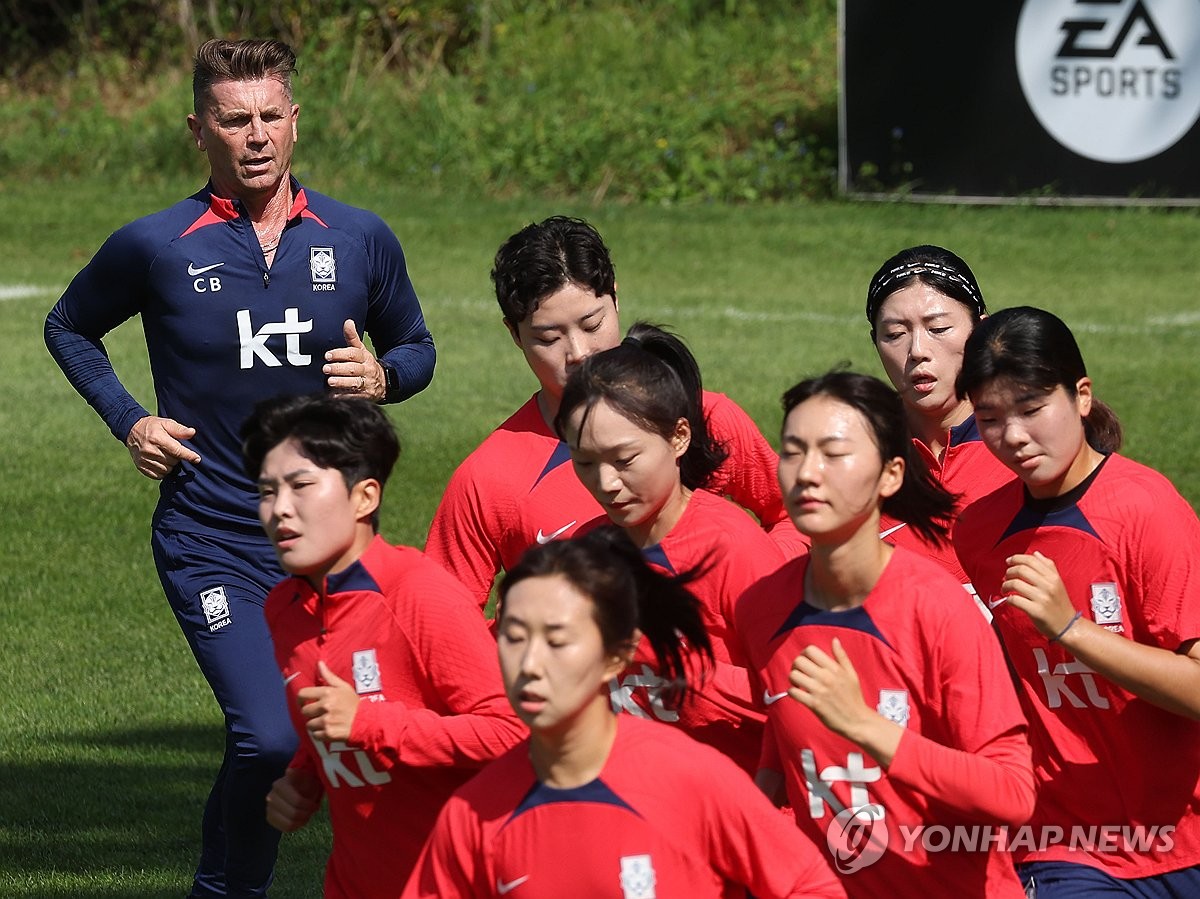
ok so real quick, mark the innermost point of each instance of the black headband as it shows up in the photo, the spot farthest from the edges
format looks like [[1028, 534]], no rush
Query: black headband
[[922, 268]]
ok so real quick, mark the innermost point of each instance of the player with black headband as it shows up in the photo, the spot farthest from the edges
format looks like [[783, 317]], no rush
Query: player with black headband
[[923, 304]]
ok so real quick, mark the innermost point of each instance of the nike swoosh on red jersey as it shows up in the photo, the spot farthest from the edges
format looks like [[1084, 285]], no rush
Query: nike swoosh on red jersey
[[770, 698], [890, 531], [503, 888], [546, 538]]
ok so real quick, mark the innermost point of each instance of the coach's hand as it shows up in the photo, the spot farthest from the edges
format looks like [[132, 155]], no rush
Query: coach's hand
[[154, 445], [352, 370], [329, 709], [293, 799]]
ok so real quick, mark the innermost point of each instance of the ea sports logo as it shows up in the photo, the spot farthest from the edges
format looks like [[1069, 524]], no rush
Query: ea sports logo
[[857, 838], [1111, 80]]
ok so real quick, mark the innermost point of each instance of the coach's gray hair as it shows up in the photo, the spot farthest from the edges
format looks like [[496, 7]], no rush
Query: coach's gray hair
[[247, 60]]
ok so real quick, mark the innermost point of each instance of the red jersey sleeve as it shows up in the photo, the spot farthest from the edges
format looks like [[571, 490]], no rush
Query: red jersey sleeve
[[1163, 550], [991, 777], [748, 476], [463, 537], [474, 723]]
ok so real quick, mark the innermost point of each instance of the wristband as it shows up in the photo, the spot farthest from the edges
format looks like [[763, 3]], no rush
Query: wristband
[[1070, 623], [391, 383]]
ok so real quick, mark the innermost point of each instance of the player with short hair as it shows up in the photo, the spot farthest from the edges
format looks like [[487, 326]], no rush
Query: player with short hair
[[633, 419], [922, 304], [1089, 562], [556, 288], [252, 287], [390, 672], [596, 804], [888, 703]]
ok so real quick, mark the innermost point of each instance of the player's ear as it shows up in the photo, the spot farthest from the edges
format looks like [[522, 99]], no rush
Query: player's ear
[[622, 657], [681, 439], [195, 126], [366, 496], [892, 477], [1083, 396]]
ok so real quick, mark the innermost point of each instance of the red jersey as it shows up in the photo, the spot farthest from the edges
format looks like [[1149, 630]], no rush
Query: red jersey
[[1127, 547], [432, 708], [519, 488], [926, 661], [666, 817], [967, 470], [721, 542]]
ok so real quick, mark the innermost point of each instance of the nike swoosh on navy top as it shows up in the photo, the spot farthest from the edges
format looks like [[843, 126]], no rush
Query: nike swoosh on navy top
[[546, 538], [193, 271]]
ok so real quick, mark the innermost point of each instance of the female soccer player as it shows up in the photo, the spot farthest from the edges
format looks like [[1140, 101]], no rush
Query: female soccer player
[[1090, 564], [888, 701], [390, 672], [922, 305], [595, 804], [633, 419]]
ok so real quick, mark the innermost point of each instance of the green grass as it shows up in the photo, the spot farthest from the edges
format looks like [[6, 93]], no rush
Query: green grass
[[112, 737]]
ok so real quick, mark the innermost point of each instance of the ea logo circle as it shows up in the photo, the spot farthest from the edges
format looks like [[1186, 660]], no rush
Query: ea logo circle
[[857, 837], [1112, 81]]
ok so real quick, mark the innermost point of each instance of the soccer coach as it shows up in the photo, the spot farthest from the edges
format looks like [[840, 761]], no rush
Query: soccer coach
[[252, 287]]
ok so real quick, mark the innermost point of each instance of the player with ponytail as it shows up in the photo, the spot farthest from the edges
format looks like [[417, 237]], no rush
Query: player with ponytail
[[633, 419], [1091, 565], [598, 804], [889, 707]]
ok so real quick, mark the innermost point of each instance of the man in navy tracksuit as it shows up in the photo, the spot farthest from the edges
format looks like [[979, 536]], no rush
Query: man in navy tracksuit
[[250, 288]]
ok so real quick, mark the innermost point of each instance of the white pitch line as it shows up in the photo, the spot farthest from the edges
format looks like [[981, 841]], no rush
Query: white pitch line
[[1154, 324], [25, 291]]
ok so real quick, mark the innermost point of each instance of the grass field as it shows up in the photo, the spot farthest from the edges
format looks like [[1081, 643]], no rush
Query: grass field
[[112, 737]]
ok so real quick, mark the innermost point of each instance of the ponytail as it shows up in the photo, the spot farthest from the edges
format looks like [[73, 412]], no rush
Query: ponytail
[[1102, 428], [921, 502], [653, 380], [627, 594]]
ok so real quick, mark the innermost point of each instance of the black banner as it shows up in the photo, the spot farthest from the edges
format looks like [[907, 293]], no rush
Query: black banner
[[1068, 98]]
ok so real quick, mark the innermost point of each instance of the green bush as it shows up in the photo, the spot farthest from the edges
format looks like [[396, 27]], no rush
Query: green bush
[[674, 101]]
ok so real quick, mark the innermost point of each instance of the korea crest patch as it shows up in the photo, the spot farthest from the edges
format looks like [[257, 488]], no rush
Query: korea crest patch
[[638, 877], [366, 672], [1106, 606], [893, 705], [322, 265], [215, 606]]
